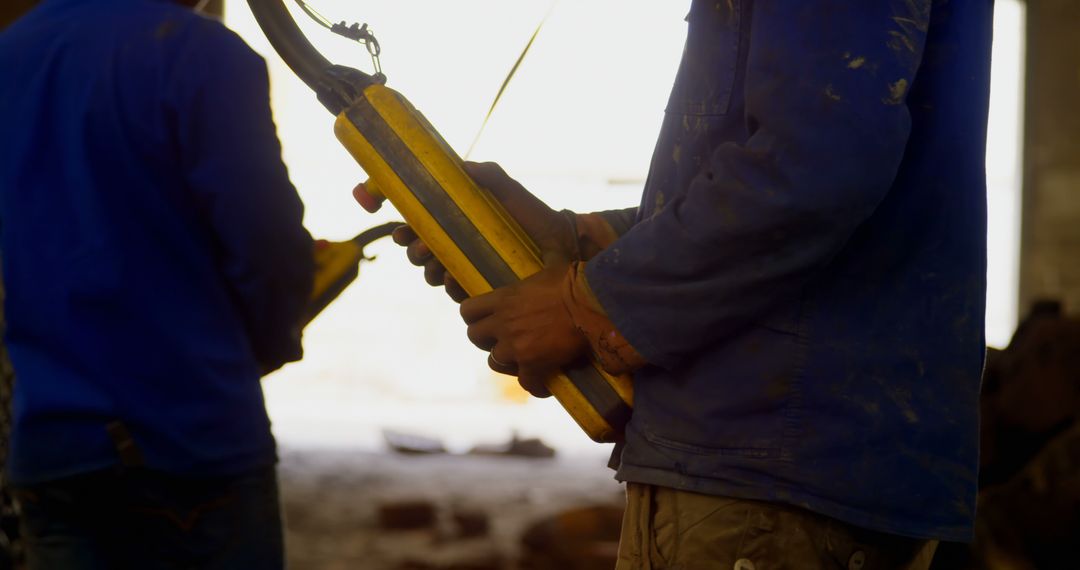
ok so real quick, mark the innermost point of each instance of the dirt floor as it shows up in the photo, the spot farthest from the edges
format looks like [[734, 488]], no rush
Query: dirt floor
[[336, 505]]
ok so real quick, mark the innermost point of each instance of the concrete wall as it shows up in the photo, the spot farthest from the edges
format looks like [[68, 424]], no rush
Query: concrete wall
[[1050, 234]]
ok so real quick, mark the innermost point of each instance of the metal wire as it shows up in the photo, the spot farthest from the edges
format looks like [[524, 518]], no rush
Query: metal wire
[[362, 34], [314, 14], [509, 77]]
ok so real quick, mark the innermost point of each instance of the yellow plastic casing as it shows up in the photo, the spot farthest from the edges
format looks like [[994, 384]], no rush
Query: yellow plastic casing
[[336, 266], [467, 230]]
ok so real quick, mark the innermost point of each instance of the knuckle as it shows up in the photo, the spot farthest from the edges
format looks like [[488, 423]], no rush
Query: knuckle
[[474, 335], [523, 351], [403, 235], [418, 260]]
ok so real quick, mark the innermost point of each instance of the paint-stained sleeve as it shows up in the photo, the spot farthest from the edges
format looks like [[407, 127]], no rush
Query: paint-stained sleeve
[[597, 230], [620, 220], [825, 91], [614, 353], [232, 159]]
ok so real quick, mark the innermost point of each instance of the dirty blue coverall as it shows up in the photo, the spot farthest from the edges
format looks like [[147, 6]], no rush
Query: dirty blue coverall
[[806, 271]]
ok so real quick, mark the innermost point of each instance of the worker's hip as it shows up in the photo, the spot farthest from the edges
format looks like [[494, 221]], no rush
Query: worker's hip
[[140, 518], [669, 529]]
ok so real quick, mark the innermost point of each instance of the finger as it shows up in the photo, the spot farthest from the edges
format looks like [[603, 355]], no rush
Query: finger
[[533, 214], [476, 308], [501, 359], [492, 177], [534, 381], [501, 368], [403, 235], [485, 173], [367, 201], [483, 334], [453, 288], [419, 254], [434, 272]]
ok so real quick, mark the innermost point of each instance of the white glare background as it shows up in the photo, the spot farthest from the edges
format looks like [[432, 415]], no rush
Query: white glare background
[[576, 126]]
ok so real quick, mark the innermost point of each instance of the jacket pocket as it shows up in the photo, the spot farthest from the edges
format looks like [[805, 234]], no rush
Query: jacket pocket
[[710, 61]]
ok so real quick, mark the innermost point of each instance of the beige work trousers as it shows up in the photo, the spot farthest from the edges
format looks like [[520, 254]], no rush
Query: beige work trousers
[[668, 529]]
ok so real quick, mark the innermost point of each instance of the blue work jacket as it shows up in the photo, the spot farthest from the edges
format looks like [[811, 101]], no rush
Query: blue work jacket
[[806, 274], [153, 253]]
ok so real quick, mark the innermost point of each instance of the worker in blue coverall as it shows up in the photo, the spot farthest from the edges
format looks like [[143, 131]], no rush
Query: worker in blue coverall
[[799, 296], [156, 267]]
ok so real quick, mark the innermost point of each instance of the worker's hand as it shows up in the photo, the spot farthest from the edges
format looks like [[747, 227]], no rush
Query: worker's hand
[[553, 232], [415, 249], [527, 328], [434, 273]]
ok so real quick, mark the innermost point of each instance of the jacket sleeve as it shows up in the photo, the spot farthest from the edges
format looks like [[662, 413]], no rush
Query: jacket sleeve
[[232, 159], [825, 91], [620, 221]]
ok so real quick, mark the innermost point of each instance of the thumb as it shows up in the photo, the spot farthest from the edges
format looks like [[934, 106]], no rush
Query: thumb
[[555, 257], [521, 204], [549, 229]]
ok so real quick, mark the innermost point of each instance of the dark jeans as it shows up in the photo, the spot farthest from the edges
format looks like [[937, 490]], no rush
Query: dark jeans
[[142, 519]]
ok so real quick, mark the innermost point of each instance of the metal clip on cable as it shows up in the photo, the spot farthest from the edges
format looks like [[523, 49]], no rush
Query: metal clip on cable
[[355, 32], [363, 35]]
